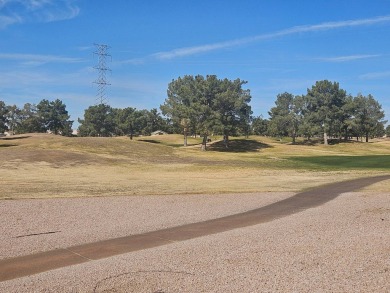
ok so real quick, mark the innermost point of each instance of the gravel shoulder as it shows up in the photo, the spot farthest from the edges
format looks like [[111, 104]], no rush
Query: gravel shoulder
[[341, 246], [37, 225]]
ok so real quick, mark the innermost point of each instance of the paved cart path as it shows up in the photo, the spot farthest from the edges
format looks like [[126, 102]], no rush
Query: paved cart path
[[32, 264]]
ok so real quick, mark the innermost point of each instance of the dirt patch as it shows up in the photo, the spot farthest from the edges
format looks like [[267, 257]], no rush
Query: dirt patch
[[15, 158]]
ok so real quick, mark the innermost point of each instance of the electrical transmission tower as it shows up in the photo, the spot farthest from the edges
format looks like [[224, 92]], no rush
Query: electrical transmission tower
[[101, 52]]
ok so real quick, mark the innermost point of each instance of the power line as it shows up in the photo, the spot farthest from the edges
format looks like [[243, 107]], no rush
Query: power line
[[102, 53]]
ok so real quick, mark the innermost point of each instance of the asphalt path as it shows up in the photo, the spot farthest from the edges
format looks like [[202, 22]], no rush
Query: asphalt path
[[36, 263]]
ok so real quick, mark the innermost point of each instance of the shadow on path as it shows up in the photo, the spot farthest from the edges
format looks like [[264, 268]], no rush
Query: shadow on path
[[32, 264]]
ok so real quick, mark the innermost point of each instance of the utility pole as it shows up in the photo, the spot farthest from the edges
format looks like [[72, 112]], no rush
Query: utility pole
[[101, 67]]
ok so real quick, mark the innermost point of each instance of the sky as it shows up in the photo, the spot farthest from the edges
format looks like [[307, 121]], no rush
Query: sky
[[47, 48]]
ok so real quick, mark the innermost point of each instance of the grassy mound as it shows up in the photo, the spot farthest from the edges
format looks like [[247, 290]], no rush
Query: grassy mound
[[43, 165]]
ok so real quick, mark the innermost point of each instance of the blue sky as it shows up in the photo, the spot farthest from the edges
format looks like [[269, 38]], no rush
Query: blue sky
[[46, 48]]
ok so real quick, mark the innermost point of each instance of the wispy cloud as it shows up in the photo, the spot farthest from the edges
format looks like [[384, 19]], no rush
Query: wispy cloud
[[375, 75], [6, 20], [84, 48], [57, 10], [327, 26], [23, 11], [31, 59], [346, 58], [181, 52]]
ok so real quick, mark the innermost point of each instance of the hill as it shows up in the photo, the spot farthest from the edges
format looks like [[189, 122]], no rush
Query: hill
[[43, 165]]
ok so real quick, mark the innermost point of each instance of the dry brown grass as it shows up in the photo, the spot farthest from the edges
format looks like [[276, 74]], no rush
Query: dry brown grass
[[40, 166]]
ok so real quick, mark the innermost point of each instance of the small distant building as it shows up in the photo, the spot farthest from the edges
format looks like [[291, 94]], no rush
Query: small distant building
[[159, 132]]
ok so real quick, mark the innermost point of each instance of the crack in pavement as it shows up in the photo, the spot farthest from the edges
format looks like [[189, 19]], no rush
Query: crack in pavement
[[36, 263], [35, 234]]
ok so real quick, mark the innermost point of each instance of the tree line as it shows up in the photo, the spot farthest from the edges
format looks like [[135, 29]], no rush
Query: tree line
[[195, 105], [45, 116], [327, 111], [204, 106], [103, 120], [99, 120]]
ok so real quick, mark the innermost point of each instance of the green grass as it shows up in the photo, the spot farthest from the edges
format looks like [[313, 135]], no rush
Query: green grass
[[324, 163], [271, 153]]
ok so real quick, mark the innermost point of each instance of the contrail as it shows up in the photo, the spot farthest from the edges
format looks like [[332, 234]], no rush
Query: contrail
[[326, 26]]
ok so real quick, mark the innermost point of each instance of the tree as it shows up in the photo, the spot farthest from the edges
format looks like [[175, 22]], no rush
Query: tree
[[204, 118], [125, 121], [368, 116], [130, 121], [54, 117], [232, 109], [3, 117], [152, 121], [260, 126], [102, 120], [29, 120], [204, 105], [43, 114], [284, 119], [348, 123], [98, 121], [13, 118], [388, 131], [325, 101], [306, 126], [179, 106]]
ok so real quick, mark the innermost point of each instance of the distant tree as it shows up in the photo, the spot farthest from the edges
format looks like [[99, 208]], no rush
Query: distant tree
[[171, 127], [60, 119], [284, 118], [29, 120], [125, 121], [260, 126], [348, 122], [380, 131], [368, 117], [98, 121], [43, 113], [307, 127], [130, 121], [152, 121], [324, 107], [54, 117], [388, 131], [13, 117], [3, 117]]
